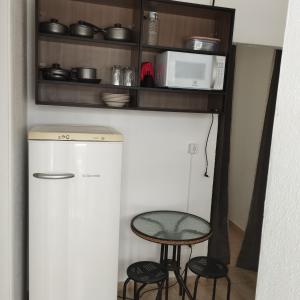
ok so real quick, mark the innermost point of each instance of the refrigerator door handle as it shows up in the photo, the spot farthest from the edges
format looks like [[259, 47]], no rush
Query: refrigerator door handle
[[53, 176]]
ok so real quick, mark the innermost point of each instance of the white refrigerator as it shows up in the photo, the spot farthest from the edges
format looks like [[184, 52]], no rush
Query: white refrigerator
[[74, 208]]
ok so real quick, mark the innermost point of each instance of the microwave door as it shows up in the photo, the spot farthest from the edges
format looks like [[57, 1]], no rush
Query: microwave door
[[193, 73]]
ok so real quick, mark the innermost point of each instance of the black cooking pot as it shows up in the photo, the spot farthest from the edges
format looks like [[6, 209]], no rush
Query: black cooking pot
[[83, 29], [117, 33], [53, 27], [55, 72]]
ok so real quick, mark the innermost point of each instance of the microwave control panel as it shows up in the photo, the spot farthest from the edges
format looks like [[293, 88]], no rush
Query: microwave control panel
[[219, 73]]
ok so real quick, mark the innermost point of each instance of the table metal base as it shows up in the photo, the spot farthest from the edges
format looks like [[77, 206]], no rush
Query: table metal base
[[173, 265]]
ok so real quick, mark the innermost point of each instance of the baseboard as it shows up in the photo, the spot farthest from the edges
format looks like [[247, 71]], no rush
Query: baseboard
[[236, 227]]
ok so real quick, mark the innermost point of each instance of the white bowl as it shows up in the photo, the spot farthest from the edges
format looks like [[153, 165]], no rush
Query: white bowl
[[116, 99], [114, 95]]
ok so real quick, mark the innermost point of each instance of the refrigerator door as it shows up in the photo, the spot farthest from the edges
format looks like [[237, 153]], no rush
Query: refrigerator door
[[74, 206]]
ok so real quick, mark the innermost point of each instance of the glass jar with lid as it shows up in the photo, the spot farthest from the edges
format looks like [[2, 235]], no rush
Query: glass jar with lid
[[151, 28]]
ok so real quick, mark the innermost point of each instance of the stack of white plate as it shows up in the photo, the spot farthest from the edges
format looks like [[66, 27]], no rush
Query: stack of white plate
[[115, 100]]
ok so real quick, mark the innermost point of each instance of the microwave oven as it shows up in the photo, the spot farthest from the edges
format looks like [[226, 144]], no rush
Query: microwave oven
[[189, 70]]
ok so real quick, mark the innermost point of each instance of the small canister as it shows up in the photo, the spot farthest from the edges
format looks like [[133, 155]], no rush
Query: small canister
[[128, 76], [117, 75]]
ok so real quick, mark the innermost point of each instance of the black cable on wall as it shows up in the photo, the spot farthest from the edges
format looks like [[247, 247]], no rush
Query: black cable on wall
[[206, 144]]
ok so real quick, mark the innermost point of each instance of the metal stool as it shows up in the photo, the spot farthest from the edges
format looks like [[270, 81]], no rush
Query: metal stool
[[145, 272], [204, 266]]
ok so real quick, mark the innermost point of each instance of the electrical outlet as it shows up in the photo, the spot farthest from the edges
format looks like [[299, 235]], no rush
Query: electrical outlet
[[193, 148]]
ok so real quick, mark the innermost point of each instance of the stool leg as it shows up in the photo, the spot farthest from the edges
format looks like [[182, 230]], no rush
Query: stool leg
[[196, 287], [228, 287], [185, 279], [125, 288], [137, 296], [214, 291], [134, 290], [160, 290]]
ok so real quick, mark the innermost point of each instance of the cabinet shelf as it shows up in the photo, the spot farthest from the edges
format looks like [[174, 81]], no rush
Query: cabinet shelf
[[121, 87], [180, 90], [116, 3], [160, 49], [69, 39], [88, 85], [138, 108]]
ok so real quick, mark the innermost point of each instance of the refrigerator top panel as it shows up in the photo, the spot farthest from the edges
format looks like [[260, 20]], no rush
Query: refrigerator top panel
[[74, 133]]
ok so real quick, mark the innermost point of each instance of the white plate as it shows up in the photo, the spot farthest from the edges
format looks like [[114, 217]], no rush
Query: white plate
[[114, 95], [115, 104], [117, 100]]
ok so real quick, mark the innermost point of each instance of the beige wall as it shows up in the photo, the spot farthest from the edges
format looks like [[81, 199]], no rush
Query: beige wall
[[252, 80]]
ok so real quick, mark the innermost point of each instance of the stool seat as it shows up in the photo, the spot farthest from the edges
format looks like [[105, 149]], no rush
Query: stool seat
[[147, 272], [207, 267], [210, 268]]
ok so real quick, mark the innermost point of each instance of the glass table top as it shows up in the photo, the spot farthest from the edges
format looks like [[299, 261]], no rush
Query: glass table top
[[171, 227]]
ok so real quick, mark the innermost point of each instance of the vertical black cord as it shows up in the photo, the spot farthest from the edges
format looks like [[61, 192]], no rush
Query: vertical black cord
[[206, 157], [213, 3]]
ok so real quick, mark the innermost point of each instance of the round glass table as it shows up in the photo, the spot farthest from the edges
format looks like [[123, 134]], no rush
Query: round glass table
[[171, 228]]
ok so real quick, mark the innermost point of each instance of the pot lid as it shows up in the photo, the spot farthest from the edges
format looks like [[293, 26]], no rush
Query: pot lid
[[116, 26], [51, 21]]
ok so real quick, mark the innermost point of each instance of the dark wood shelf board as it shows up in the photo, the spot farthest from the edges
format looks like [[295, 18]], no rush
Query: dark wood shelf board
[[82, 104], [186, 9], [117, 3], [88, 85], [136, 108], [178, 110], [180, 90], [121, 87], [161, 49], [69, 39]]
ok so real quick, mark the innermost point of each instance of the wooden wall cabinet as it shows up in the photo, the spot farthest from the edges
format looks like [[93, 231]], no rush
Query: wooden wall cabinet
[[178, 20]]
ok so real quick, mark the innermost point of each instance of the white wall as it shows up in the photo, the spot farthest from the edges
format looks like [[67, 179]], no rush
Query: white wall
[[155, 165], [279, 269], [5, 226], [257, 22], [156, 162], [254, 65], [12, 129]]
